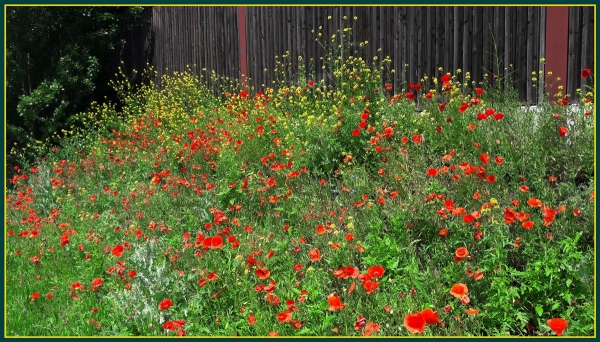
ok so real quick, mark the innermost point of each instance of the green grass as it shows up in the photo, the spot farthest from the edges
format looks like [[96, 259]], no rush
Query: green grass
[[244, 209]]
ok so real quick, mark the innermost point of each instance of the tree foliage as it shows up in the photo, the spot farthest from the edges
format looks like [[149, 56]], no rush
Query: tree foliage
[[58, 60]]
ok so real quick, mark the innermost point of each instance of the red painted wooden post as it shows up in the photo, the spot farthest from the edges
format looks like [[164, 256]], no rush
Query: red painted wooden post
[[557, 47], [242, 39]]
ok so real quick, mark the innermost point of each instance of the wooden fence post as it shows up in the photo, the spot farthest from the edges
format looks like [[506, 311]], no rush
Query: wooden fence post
[[242, 39], [557, 46]]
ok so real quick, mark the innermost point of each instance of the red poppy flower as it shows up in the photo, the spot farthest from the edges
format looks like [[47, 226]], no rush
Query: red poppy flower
[[360, 323], [314, 255], [96, 283], [430, 316], [445, 78], [585, 73], [320, 229], [165, 304], [216, 242], [34, 296], [371, 328], [417, 139], [484, 158], [415, 323], [443, 232], [432, 172], [262, 273], [117, 251], [356, 132], [557, 325], [471, 311], [335, 302], [562, 131], [370, 285], [461, 252], [284, 317], [534, 202], [458, 290], [463, 107], [172, 325], [375, 271], [528, 224], [548, 215]]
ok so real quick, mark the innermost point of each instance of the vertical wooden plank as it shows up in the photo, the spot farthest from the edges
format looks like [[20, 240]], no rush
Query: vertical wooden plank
[[270, 47], [165, 32], [404, 47], [193, 41], [429, 42], [457, 37], [440, 16], [509, 33], [383, 33], [396, 55], [213, 44], [477, 46], [530, 59], [257, 51], [252, 44], [587, 44], [202, 38], [448, 42], [421, 25], [304, 30], [421, 22], [467, 40], [573, 62], [219, 46], [169, 31], [520, 61], [209, 13], [536, 54], [542, 49]]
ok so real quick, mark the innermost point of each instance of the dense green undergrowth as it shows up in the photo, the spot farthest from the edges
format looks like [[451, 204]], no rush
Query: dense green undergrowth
[[310, 208]]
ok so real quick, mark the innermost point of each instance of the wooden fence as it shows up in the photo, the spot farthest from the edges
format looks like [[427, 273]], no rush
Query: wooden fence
[[482, 40]]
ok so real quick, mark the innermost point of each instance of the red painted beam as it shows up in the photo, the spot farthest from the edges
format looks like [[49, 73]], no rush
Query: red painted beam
[[242, 39], [557, 47]]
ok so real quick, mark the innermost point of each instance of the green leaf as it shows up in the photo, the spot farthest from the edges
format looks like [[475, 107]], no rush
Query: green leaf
[[418, 286], [539, 310], [327, 321], [305, 331]]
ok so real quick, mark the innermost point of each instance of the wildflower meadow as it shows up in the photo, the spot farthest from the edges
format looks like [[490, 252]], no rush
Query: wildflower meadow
[[332, 205]]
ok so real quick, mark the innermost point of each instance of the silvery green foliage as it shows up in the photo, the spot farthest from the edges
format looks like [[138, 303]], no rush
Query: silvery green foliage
[[151, 285], [45, 199]]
